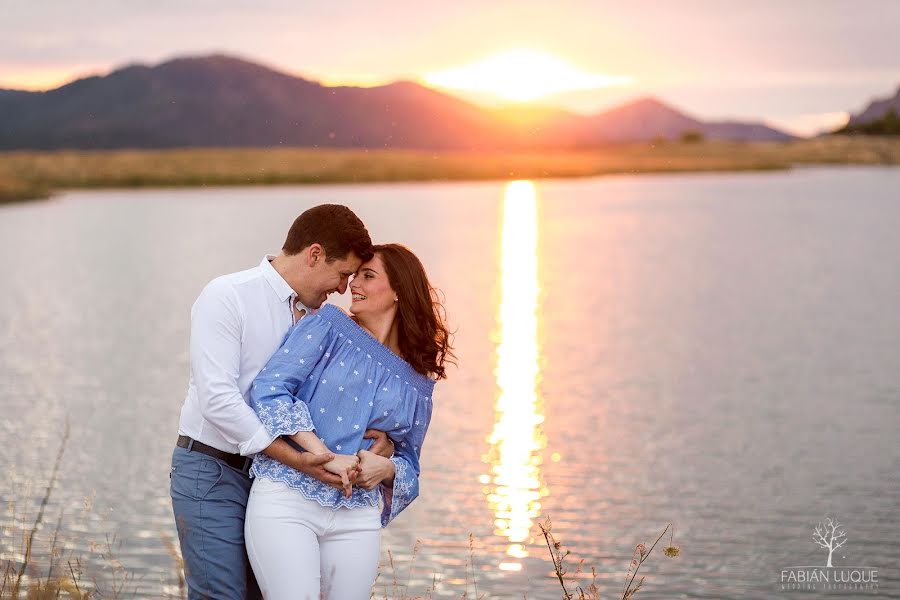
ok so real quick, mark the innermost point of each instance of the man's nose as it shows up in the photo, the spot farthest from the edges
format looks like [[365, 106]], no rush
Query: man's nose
[[343, 287]]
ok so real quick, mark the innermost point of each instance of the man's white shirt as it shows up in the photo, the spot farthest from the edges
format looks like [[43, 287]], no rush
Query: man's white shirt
[[237, 323]]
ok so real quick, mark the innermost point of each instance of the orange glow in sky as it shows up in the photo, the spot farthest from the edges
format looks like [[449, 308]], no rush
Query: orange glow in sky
[[26, 77], [522, 75]]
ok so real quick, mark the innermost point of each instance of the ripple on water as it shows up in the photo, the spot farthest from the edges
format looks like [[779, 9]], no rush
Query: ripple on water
[[718, 352]]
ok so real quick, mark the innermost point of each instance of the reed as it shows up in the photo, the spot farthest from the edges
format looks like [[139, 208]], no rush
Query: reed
[[640, 554], [29, 540]]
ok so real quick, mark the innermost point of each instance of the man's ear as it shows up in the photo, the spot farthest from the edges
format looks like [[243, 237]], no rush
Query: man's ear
[[314, 254]]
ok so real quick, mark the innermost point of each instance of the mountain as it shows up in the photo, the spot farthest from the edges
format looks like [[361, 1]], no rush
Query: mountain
[[648, 118], [642, 120], [881, 117], [222, 101], [4, 93], [876, 110]]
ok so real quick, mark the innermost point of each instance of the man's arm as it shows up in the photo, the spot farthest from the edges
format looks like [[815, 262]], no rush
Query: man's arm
[[216, 324], [383, 445], [305, 462]]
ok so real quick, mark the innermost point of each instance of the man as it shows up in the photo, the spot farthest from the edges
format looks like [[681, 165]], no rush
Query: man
[[237, 323]]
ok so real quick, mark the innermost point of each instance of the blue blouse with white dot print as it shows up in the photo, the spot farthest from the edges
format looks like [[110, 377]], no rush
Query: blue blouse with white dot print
[[332, 377]]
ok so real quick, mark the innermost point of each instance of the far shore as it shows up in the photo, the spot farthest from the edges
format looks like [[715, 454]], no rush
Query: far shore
[[28, 175]]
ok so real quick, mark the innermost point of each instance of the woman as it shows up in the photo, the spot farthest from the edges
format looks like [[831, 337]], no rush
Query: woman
[[333, 378]]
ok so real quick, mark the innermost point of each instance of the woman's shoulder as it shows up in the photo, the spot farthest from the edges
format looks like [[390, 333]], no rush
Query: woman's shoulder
[[345, 327], [327, 316], [317, 325], [332, 312]]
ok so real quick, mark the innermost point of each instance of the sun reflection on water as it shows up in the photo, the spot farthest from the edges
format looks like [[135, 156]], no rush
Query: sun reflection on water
[[514, 486]]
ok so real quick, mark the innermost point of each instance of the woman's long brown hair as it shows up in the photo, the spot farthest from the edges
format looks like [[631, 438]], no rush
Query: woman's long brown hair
[[425, 342]]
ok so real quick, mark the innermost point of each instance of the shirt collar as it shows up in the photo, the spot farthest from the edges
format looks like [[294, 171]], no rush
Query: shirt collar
[[279, 285]]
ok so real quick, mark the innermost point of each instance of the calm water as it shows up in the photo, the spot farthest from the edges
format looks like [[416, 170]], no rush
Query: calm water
[[718, 351]]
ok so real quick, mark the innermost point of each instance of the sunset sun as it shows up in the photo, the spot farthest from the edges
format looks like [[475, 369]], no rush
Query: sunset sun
[[521, 75]]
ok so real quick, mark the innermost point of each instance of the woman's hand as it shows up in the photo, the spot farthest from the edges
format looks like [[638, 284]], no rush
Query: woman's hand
[[345, 465], [374, 469]]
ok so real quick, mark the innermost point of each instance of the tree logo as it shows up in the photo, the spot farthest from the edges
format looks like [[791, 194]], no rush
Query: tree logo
[[830, 536]]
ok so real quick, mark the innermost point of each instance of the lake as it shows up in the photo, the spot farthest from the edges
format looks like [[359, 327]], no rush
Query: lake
[[718, 351]]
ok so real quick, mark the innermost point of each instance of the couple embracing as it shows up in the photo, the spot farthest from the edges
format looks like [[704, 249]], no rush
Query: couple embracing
[[302, 428]]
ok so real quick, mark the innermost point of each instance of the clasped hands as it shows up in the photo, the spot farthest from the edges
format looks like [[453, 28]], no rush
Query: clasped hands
[[366, 469]]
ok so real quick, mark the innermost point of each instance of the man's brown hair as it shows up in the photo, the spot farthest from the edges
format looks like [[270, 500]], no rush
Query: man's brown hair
[[333, 226]]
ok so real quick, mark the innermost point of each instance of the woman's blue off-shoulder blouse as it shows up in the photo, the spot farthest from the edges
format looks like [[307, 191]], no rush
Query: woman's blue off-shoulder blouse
[[330, 376]]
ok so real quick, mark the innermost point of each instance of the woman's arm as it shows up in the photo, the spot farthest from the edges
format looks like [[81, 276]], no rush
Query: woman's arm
[[305, 462], [403, 487], [273, 392]]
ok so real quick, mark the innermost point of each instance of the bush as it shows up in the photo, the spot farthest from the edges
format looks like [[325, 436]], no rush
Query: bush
[[13, 189], [691, 136]]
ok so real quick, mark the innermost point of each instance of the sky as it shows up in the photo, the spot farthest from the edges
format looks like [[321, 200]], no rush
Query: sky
[[800, 64]]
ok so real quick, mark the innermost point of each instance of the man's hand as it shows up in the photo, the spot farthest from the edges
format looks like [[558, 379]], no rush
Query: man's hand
[[374, 469], [383, 445], [307, 462]]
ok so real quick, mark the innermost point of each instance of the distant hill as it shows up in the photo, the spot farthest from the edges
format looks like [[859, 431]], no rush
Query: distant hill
[[224, 101], [880, 117], [11, 93], [221, 101], [648, 118], [876, 109]]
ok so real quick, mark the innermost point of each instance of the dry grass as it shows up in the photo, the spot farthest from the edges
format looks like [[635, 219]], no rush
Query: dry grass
[[640, 555], [31, 174], [13, 188]]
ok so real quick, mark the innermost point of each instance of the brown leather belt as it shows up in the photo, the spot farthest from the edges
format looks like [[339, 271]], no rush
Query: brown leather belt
[[235, 461]]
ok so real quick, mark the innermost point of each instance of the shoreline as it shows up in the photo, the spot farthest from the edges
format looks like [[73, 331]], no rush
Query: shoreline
[[36, 175]]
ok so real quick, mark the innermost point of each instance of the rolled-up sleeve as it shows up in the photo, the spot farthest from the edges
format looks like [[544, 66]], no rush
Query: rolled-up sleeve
[[273, 394], [216, 328], [408, 450]]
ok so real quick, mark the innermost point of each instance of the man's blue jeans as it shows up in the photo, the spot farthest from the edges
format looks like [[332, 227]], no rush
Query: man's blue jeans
[[209, 499]]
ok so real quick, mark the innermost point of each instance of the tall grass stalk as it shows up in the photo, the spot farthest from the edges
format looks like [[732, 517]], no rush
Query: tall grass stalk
[[639, 556], [40, 516]]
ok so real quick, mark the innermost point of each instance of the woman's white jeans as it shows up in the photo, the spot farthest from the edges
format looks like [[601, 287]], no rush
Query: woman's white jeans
[[300, 549]]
